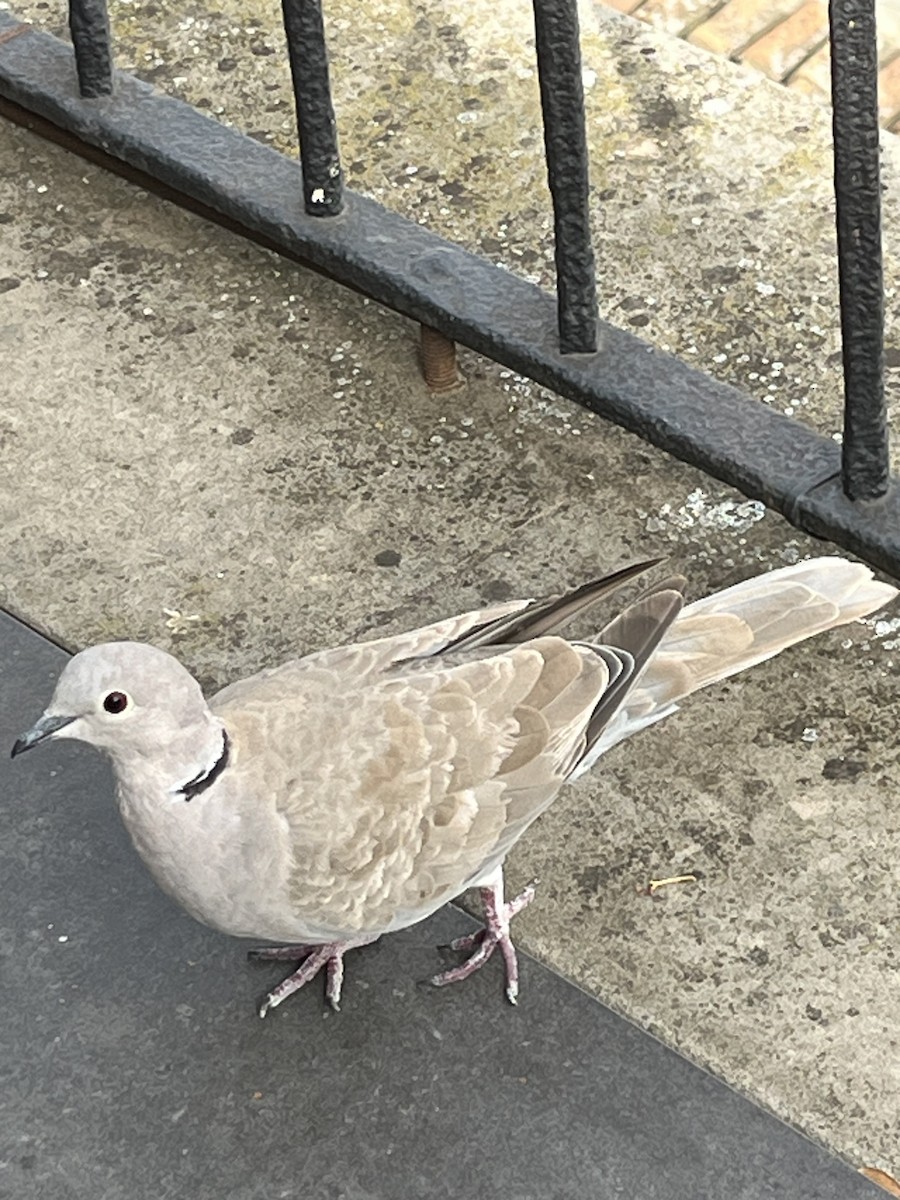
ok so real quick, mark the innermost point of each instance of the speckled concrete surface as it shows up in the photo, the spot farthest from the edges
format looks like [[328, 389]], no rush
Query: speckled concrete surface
[[219, 452]]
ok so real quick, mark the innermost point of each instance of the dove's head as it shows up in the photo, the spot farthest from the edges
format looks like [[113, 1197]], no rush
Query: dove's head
[[124, 697]]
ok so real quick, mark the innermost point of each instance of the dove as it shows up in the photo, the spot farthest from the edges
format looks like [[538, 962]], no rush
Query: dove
[[338, 797]]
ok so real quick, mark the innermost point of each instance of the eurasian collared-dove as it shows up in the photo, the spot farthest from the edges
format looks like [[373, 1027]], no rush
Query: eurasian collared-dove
[[353, 792]]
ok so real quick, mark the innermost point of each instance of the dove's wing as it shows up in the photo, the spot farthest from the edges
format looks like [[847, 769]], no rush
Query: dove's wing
[[394, 795], [398, 794], [401, 788]]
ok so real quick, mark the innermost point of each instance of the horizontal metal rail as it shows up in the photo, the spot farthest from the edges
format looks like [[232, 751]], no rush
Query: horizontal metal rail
[[237, 180]]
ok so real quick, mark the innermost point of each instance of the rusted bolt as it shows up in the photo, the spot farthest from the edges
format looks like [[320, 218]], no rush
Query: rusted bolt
[[439, 361]]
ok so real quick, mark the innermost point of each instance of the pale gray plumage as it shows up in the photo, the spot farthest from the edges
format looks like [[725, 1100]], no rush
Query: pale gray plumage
[[353, 792]]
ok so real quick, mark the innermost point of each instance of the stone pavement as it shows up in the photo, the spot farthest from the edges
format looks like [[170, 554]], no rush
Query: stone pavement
[[785, 39], [220, 452]]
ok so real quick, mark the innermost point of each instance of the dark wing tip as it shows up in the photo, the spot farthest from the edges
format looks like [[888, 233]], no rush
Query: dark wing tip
[[546, 616], [637, 632]]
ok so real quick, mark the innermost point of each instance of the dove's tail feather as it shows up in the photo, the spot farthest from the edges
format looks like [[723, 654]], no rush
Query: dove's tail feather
[[731, 630]]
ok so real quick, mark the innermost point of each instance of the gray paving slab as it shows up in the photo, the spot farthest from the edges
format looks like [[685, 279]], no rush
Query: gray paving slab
[[132, 1063]]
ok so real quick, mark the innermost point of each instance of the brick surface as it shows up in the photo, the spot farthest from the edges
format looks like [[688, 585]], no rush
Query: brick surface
[[730, 29], [889, 92], [789, 43], [785, 39], [623, 6], [677, 17], [887, 23], [813, 77]]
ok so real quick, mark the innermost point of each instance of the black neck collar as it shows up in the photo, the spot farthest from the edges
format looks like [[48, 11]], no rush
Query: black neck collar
[[205, 779]]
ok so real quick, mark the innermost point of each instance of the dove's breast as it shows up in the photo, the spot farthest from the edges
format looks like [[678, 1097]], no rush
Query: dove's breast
[[227, 866], [231, 854]]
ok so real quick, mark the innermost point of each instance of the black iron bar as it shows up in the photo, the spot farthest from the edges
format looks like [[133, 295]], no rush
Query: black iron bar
[[323, 181], [562, 101], [857, 188], [89, 26]]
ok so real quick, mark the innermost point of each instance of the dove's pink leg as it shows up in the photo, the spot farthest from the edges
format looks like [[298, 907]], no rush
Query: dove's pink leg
[[330, 956], [497, 916]]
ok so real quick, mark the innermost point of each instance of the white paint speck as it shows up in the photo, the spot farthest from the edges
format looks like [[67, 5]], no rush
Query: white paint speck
[[716, 106], [808, 810], [737, 516]]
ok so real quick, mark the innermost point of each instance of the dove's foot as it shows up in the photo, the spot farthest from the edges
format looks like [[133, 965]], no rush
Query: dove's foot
[[330, 956], [497, 916]]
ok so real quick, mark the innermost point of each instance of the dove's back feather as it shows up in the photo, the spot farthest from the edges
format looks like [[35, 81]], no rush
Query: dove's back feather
[[551, 614], [362, 660], [459, 638], [637, 632]]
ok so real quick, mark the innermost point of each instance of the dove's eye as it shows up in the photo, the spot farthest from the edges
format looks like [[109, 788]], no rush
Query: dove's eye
[[115, 702]]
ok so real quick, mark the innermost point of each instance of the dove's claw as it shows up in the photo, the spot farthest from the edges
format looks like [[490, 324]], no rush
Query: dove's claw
[[330, 956], [334, 981], [497, 916], [467, 942], [508, 951]]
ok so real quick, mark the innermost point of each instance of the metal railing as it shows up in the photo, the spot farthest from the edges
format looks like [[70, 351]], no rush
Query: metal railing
[[857, 188], [843, 493]]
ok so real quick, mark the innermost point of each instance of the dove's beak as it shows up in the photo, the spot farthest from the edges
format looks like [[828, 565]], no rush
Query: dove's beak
[[41, 729]]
